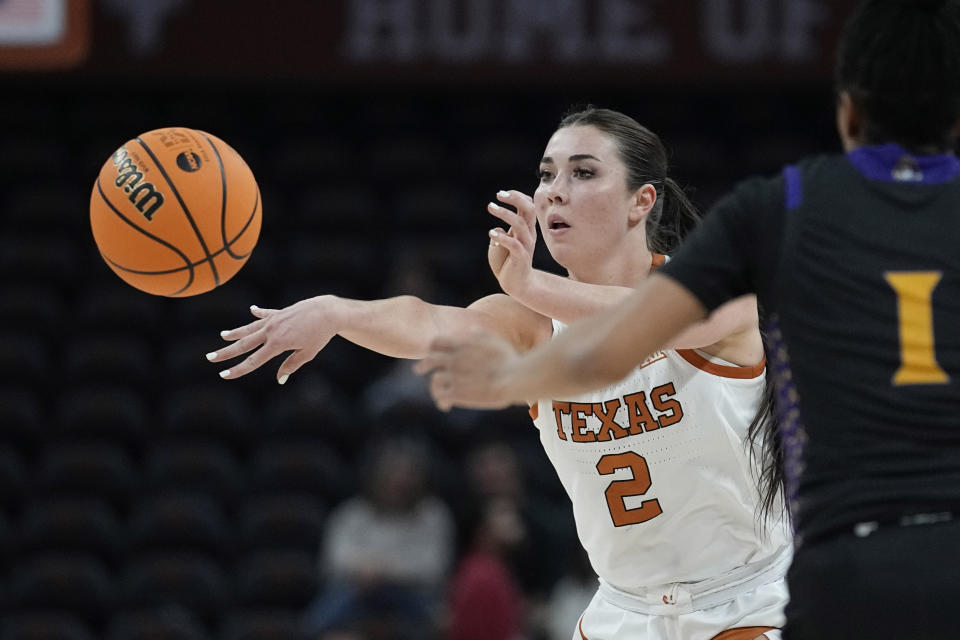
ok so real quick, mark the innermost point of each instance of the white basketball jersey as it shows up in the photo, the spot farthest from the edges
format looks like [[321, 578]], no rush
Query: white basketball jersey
[[659, 474]]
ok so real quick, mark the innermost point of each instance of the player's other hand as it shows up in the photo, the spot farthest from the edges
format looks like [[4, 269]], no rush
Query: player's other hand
[[469, 371], [510, 254], [303, 328]]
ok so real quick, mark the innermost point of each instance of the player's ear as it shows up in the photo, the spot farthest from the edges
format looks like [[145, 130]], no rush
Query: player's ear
[[643, 200], [849, 121]]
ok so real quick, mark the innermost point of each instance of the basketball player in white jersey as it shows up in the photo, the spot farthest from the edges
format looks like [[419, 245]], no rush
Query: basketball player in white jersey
[[657, 466]]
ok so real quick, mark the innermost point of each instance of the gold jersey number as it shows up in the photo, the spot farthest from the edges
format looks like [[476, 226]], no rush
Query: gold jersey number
[[918, 358]]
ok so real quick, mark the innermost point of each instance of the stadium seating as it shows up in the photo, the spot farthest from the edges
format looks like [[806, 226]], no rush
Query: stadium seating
[[188, 464], [45, 625], [276, 578], [281, 521], [175, 521], [74, 582], [71, 524], [194, 582], [163, 622], [104, 470]]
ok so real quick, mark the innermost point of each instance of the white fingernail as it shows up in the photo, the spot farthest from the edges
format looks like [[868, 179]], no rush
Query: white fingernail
[[224, 333], [494, 205], [493, 233], [254, 307], [225, 373], [283, 378], [503, 194], [211, 355]]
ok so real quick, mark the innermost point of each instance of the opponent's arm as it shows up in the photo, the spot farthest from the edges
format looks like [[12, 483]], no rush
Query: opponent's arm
[[401, 327], [484, 371]]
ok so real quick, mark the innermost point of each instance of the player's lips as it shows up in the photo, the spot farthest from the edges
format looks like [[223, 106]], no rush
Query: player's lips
[[556, 224]]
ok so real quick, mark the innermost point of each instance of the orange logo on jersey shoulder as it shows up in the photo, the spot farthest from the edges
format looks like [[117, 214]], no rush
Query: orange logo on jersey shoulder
[[656, 356]]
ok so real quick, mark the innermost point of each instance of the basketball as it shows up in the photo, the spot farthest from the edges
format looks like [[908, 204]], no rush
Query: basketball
[[175, 212]]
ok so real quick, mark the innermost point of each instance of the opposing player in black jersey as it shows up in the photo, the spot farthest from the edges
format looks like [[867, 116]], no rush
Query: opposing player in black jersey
[[855, 258]]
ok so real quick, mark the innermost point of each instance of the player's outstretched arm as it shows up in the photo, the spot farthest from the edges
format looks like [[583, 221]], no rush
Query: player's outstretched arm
[[401, 327], [483, 371]]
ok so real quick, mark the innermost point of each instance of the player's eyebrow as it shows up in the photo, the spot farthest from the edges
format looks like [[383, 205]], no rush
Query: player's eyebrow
[[574, 158]]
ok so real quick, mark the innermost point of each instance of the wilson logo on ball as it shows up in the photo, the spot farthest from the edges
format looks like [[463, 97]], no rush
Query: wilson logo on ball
[[189, 161], [130, 178]]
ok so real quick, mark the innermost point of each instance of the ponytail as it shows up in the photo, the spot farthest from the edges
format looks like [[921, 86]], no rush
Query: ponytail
[[671, 219], [766, 450]]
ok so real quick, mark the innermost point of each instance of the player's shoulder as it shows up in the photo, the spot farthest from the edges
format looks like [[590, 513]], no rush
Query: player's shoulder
[[821, 164], [769, 191]]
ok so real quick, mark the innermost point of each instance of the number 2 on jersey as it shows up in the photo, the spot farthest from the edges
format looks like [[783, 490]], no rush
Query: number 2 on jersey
[[637, 485], [918, 360]]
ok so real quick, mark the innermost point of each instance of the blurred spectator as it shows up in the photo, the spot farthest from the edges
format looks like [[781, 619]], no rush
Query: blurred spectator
[[486, 601], [495, 470], [386, 552]]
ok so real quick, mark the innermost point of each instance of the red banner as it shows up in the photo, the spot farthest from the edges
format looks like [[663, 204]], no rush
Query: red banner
[[43, 34]]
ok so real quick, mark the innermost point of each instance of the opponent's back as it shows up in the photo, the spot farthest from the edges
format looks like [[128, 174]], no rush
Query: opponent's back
[[871, 260]]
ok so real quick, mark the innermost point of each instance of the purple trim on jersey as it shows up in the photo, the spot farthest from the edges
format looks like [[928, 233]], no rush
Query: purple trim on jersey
[[793, 186], [893, 163], [792, 434]]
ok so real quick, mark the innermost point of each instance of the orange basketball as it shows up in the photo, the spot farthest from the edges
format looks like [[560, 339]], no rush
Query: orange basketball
[[175, 212]]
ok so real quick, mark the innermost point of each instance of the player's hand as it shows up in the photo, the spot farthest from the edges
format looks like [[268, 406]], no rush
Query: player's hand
[[510, 254], [303, 328], [468, 371]]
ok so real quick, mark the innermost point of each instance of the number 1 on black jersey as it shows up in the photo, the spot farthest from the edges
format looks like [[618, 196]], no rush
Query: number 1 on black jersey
[[918, 359]]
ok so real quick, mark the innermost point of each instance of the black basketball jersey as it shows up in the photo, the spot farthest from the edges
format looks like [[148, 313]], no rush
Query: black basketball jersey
[[856, 263]]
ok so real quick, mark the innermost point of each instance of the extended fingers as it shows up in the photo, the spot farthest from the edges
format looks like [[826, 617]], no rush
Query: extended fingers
[[523, 204], [238, 347], [254, 361], [293, 362], [438, 356], [518, 225], [261, 313], [441, 389], [244, 331], [508, 242], [507, 215], [432, 363]]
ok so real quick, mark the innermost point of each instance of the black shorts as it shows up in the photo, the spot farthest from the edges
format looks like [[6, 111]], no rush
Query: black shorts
[[897, 583]]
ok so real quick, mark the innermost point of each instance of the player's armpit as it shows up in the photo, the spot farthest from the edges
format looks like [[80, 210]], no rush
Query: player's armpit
[[522, 327]]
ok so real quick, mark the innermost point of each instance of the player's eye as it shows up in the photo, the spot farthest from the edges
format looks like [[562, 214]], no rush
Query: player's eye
[[544, 175], [582, 172]]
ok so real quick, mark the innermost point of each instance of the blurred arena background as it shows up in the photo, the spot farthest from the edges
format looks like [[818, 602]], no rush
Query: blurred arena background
[[144, 497]]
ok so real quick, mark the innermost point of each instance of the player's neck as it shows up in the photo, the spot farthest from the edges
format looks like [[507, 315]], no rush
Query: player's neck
[[627, 270]]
